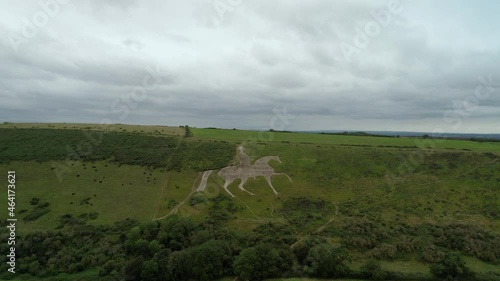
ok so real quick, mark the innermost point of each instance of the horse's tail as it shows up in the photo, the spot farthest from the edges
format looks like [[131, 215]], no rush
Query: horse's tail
[[276, 158]]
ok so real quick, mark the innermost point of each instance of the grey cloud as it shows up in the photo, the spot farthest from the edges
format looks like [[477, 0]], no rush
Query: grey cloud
[[233, 71]]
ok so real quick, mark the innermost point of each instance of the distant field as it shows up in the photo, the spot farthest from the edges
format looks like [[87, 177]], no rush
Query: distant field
[[303, 138]]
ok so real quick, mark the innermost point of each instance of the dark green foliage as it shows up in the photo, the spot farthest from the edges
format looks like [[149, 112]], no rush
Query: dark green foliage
[[372, 270], [276, 234], [171, 203], [451, 267], [301, 248], [38, 211], [334, 166], [36, 214], [93, 215], [42, 205], [469, 239], [188, 132], [68, 219], [179, 265], [176, 234], [407, 244], [363, 234], [258, 263], [301, 212], [384, 251], [326, 261], [198, 199], [202, 156], [150, 270], [34, 201], [432, 254], [133, 268], [43, 145], [211, 261], [222, 208]]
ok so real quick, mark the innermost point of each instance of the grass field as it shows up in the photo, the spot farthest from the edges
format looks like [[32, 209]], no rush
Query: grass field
[[82, 276], [303, 138], [115, 192]]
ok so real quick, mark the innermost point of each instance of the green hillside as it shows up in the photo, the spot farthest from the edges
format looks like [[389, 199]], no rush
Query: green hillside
[[384, 207]]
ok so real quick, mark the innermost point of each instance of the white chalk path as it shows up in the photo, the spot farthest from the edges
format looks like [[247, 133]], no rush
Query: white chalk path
[[203, 182]]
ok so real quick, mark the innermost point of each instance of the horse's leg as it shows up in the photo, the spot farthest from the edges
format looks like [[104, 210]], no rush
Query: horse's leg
[[268, 179], [277, 174], [243, 180], [228, 182]]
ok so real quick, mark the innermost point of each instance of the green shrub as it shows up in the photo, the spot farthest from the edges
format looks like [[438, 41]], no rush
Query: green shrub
[[372, 270], [451, 267], [34, 201], [36, 214]]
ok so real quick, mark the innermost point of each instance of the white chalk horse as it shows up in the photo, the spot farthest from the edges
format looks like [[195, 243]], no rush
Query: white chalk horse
[[243, 172]]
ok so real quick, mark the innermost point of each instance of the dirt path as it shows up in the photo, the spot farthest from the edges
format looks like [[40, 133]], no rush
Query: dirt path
[[176, 208], [203, 183], [165, 182], [163, 188]]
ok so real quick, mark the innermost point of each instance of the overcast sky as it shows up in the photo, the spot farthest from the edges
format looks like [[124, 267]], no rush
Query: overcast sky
[[230, 63]]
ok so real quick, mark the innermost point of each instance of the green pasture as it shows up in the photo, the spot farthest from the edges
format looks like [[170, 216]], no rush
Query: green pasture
[[115, 192], [310, 138]]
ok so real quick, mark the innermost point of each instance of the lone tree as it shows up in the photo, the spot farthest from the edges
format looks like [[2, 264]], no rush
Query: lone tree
[[451, 267], [188, 133]]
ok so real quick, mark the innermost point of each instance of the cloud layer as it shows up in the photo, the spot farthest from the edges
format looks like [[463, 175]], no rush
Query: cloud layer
[[365, 65]]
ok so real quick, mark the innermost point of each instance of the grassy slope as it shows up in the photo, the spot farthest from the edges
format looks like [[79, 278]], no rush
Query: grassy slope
[[124, 192], [340, 174], [465, 183]]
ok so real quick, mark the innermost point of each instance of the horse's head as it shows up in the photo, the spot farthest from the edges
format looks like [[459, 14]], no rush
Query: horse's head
[[277, 159]]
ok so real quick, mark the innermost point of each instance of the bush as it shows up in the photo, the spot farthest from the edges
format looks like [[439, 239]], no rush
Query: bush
[[197, 199], [93, 215], [36, 214], [211, 261], [258, 263], [372, 270], [40, 210], [451, 267], [326, 261]]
